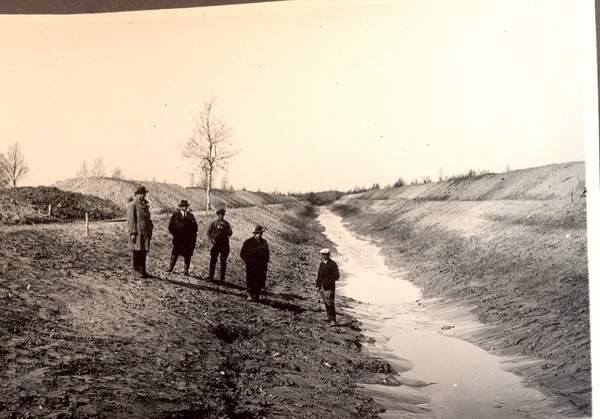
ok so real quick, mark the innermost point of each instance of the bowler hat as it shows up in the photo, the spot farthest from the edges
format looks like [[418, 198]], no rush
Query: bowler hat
[[184, 203], [259, 229], [141, 190]]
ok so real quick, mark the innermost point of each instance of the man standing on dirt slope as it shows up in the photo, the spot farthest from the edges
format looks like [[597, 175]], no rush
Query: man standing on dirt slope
[[184, 229], [326, 277], [219, 232], [255, 254], [140, 230]]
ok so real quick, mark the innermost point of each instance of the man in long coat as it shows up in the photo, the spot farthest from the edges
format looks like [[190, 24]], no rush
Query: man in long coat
[[326, 276], [255, 254], [184, 229], [140, 229]]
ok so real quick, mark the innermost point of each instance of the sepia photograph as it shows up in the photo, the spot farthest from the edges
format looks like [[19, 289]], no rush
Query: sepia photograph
[[299, 209]]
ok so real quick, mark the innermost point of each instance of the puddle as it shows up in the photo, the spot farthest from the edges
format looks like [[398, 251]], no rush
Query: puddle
[[443, 376]]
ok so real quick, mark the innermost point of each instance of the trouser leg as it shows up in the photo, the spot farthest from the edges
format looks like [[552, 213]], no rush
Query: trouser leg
[[212, 267], [328, 299], [223, 259], [187, 259], [263, 280], [172, 262], [143, 270], [251, 283], [248, 280], [223, 267], [136, 260]]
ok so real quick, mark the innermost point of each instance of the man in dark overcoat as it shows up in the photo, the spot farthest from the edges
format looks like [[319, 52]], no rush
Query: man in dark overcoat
[[184, 229], [326, 276], [140, 229], [255, 254]]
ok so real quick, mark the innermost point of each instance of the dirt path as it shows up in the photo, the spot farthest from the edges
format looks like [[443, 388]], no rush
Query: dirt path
[[80, 337]]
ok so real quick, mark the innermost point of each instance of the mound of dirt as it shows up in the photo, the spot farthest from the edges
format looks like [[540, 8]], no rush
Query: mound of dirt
[[555, 181], [82, 337], [512, 249], [29, 205], [164, 197]]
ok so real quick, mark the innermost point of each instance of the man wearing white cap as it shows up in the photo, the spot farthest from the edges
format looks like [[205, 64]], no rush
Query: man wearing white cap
[[326, 277]]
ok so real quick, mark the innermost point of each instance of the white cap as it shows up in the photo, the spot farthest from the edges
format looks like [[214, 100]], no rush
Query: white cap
[[325, 252]]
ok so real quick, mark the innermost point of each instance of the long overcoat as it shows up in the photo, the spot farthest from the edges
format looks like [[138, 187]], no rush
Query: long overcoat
[[255, 253], [139, 223], [185, 231]]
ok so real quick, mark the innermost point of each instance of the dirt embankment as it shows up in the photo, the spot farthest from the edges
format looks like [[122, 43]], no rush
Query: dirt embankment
[[164, 197], [81, 337], [511, 246]]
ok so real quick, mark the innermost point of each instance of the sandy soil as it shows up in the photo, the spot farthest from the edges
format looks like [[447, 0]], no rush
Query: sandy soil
[[81, 337], [520, 264]]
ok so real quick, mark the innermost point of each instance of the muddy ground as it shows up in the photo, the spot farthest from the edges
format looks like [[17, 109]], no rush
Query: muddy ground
[[82, 337], [521, 265]]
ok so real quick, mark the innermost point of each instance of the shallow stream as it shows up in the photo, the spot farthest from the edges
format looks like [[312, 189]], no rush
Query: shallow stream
[[442, 375]]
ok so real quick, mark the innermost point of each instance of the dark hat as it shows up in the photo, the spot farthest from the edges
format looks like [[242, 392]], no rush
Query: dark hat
[[184, 203], [141, 190], [259, 229], [220, 211]]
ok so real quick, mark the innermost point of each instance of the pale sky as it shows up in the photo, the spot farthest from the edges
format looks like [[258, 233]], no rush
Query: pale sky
[[320, 95]]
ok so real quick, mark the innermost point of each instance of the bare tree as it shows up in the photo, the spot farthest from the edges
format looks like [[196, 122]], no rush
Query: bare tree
[[224, 182], [441, 175], [98, 169], [117, 174], [83, 170], [13, 166], [209, 146]]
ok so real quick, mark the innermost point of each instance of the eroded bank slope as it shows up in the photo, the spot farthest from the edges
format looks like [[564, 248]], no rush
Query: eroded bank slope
[[521, 264], [81, 337]]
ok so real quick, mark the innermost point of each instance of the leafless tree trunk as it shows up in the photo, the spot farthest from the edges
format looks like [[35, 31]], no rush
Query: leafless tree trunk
[[98, 169], [209, 145], [83, 171], [118, 173], [14, 166]]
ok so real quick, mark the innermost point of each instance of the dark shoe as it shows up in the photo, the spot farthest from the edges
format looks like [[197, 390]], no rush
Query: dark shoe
[[186, 273]]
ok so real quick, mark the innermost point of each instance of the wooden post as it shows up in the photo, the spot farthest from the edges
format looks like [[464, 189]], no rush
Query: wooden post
[[49, 209], [87, 225]]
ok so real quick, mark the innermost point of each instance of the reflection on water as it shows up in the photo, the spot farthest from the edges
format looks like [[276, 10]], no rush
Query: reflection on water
[[442, 375]]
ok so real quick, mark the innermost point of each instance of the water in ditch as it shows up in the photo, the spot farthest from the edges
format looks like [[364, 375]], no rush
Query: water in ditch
[[442, 375]]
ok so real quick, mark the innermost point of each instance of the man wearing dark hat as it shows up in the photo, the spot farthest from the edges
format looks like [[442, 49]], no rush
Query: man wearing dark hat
[[326, 277], [218, 233], [255, 254], [140, 229], [184, 229]]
